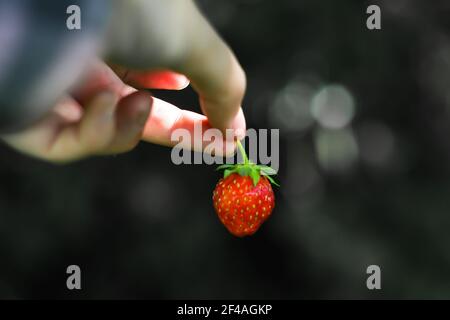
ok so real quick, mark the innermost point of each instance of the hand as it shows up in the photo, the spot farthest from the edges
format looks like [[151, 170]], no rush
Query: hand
[[172, 34], [107, 115], [101, 116]]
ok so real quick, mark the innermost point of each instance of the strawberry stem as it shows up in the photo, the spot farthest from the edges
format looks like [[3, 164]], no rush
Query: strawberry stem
[[242, 151], [248, 168]]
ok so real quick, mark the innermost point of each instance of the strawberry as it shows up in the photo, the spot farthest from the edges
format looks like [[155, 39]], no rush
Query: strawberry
[[243, 198]]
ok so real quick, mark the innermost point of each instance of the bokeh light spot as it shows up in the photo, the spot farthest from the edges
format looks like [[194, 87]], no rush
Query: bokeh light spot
[[336, 150], [333, 107], [291, 107]]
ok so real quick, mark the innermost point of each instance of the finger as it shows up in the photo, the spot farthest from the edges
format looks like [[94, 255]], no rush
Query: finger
[[213, 70], [156, 79], [106, 127], [192, 48], [99, 78], [220, 86], [57, 138], [68, 110], [37, 139], [167, 121], [91, 136], [131, 115]]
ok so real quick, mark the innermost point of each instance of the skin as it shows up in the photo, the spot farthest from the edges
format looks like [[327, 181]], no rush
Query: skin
[[107, 112]]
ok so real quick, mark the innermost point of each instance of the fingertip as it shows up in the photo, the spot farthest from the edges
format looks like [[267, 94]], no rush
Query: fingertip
[[182, 81], [239, 125], [230, 149]]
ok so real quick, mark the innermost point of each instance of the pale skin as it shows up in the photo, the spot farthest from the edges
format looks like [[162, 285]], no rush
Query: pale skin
[[108, 112]]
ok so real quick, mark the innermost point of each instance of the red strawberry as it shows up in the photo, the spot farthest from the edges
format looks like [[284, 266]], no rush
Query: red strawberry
[[244, 198]]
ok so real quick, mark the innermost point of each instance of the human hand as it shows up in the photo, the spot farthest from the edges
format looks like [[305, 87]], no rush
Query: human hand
[[173, 34], [104, 115], [101, 116]]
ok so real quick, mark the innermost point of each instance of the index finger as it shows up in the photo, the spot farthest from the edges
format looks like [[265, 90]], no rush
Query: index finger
[[165, 119], [214, 72], [174, 35]]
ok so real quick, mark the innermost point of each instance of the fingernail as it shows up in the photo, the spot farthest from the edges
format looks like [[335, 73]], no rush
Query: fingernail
[[183, 82], [144, 112], [142, 118]]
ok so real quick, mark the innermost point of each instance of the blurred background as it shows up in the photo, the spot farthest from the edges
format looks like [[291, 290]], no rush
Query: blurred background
[[364, 119]]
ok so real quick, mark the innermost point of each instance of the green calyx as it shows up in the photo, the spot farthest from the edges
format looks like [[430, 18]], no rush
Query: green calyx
[[248, 168]]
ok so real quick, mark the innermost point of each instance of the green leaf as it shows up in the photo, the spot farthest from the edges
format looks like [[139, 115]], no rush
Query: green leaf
[[268, 171], [227, 172], [244, 171], [254, 174], [272, 181], [225, 166]]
